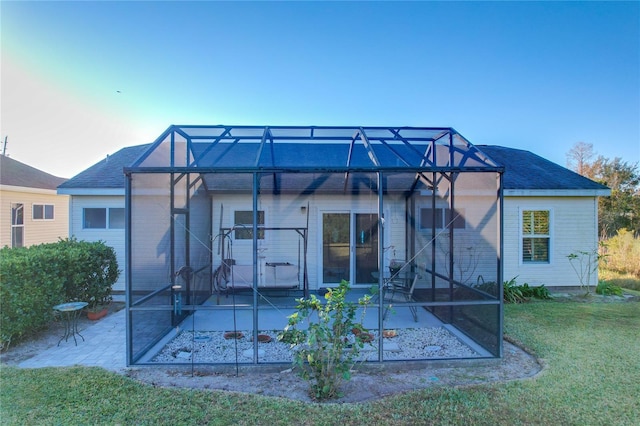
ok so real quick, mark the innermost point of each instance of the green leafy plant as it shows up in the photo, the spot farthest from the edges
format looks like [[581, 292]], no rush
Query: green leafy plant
[[585, 264], [36, 278], [512, 293], [91, 271], [607, 289], [623, 253], [537, 292], [326, 349]]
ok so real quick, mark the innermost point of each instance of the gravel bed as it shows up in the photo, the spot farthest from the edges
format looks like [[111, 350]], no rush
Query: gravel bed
[[212, 347]]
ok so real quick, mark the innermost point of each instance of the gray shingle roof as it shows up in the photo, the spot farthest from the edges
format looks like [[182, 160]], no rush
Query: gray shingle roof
[[15, 173], [108, 172], [525, 170]]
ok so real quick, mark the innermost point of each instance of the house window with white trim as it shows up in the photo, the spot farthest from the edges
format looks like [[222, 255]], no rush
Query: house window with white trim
[[243, 224], [42, 211], [103, 218], [536, 237], [17, 225]]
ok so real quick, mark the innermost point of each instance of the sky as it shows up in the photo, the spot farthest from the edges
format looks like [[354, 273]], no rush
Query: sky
[[80, 80]]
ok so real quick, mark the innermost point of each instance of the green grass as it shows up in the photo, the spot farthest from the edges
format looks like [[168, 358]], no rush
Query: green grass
[[592, 377]]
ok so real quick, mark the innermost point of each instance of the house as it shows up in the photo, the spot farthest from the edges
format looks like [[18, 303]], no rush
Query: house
[[568, 201], [96, 206], [31, 211], [279, 211]]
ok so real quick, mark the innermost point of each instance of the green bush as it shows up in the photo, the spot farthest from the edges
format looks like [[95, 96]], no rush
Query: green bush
[[92, 269], [34, 279], [623, 253], [608, 289], [30, 285], [512, 293], [325, 350], [537, 292]]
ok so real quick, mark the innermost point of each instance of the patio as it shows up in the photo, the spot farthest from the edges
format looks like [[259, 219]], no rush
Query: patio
[[200, 338], [228, 225]]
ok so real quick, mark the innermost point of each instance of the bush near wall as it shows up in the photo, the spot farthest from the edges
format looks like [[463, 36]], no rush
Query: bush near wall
[[34, 279], [622, 253], [92, 269]]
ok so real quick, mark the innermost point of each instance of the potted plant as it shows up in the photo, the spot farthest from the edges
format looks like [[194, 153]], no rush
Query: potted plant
[[98, 311]]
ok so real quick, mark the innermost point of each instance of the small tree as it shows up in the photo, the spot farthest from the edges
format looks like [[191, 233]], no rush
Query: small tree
[[585, 264], [327, 349]]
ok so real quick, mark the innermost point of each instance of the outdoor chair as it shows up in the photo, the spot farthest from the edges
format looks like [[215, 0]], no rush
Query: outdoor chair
[[397, 293]]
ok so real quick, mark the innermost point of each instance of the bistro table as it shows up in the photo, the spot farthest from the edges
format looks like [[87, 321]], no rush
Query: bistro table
[[70, 313]]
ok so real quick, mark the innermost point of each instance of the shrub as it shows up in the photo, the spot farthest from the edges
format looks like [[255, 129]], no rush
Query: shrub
[[512, 293], [585, 265], [623, 253], [608, 289], [326, 350], [91, 271], [537, 292], [30, 285], [34, 279]]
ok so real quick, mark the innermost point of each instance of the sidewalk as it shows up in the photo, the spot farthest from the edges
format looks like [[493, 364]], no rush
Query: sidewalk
[[104, 346]]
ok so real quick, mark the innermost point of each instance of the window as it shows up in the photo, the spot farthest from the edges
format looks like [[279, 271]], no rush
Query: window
[[535, 236], [17, 225], [43, 212], [243, 223], [442, 217], [98, 218], [116, 218]]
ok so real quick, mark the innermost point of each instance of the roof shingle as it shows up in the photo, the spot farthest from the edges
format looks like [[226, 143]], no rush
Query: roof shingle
[[15, 173]]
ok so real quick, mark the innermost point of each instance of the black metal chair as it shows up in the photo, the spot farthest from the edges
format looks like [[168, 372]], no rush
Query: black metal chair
[[398, 293]]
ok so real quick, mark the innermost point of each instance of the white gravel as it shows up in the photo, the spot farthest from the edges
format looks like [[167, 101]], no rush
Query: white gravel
[[212, 347]]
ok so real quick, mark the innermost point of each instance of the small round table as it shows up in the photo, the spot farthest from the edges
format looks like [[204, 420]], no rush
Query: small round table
[[70, 313]]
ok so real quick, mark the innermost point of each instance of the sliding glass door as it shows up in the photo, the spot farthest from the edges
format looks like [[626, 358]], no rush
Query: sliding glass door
[[349, 248]]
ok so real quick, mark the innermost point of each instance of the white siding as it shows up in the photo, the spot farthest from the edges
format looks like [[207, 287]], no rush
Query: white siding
[[573, 228], [112, 237], [286, 211]]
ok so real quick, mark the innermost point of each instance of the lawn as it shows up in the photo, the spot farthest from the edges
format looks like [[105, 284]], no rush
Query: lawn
[[591, 351]]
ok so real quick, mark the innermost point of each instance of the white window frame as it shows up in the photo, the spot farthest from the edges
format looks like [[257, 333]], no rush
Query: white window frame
[[107, 225], [16, 226], [522, 236], [44, 212], [250, 225]]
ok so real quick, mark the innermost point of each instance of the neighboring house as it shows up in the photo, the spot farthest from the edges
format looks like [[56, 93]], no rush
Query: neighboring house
[[31, 211], [549, 212], [97, 203]]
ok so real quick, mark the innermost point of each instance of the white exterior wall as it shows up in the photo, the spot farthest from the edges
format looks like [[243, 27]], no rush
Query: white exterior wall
[[574, 227], [286, 211], [112, 237]]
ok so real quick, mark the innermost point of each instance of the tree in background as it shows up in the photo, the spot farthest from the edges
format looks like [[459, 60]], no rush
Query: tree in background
[[579, 157], [620, 210]]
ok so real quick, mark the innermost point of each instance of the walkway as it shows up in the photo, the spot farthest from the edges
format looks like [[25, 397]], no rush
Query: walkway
[[104, 346]]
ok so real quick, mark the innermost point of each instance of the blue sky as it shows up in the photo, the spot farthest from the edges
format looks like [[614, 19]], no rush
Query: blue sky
[[83, 79]]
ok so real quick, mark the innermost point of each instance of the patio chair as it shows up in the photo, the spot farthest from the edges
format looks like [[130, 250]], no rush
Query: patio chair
[[398, 294]]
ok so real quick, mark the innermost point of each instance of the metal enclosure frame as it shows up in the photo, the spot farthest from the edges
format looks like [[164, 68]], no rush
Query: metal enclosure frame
[[193, 165]]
